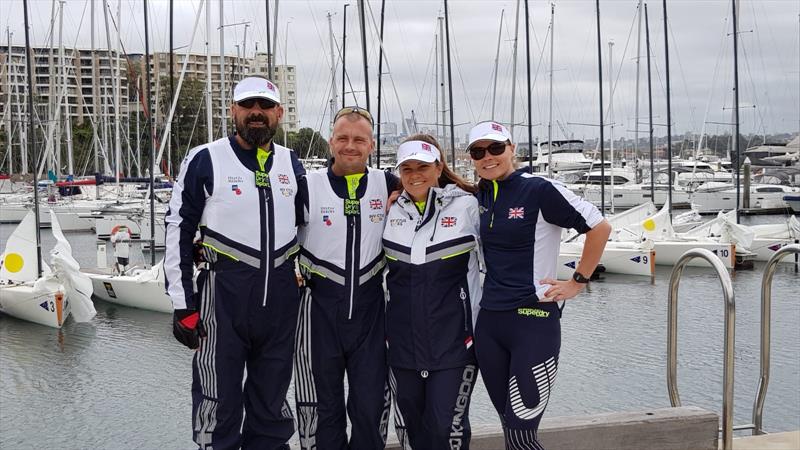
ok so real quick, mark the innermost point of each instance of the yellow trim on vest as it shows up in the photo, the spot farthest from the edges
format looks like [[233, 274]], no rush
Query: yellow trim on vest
[[456, 254], [262, 156], [220, 251], [352, 184]]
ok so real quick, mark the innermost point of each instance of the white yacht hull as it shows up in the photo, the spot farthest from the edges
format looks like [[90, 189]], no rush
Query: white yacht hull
[[49, 307], [130, 291], [669, 252], [616, 259]]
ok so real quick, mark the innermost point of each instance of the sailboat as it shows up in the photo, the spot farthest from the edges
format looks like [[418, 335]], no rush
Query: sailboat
[[137, 287], [48, 299]]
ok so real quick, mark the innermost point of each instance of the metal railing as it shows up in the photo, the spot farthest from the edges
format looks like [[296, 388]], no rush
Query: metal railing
[[766, 304], [730, 325]]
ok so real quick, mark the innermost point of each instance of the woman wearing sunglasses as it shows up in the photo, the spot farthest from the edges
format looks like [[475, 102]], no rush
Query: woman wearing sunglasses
[[518, 332], [431, 245]]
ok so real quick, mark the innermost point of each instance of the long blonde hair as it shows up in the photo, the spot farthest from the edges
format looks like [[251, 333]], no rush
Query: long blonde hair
[[448, 176]]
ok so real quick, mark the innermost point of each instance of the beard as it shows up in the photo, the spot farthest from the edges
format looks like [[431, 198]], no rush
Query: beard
[[256, 136]]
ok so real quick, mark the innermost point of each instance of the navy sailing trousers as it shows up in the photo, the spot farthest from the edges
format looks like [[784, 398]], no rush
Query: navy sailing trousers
[[517, 353], [432, 408], [244, 334]]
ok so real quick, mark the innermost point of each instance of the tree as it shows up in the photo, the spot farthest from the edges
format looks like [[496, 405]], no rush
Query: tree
[[307, 143]]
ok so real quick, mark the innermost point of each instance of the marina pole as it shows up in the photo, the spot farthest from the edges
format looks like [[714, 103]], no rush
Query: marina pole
[[450, 86], [344, 53], [528, 71], [669, 116], [149, 116], [650, 105], [600, 85], [380, 70], [32, 138], [738, 165], [269, 45]]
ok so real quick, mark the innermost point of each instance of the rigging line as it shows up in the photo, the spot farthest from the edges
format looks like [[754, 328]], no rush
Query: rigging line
[[717, 64], [619, 69], [388, 67], [405, 51], [761, 53], [692, 118], [753, 86]]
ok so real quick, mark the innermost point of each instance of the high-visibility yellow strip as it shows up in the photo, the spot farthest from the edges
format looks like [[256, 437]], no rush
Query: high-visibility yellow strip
[[391, 257], [205, 244], [308, 268], [456, 254]]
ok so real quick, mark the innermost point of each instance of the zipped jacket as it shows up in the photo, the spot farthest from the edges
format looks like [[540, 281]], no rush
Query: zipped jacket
[[341, 255], [250, 230], [433, 280]]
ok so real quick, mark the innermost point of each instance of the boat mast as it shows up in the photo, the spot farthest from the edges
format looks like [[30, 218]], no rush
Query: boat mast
[[95, 95], [168, 131], [117, 162], [600, 85], [150, 136], [344, 53], [550, 102], [8, 106], [222, 106], [68, 124], [31, 139], [52, 142], [209, 103], [441, 81], [514, 70], [636, 107], [528, 71], [269, 44], [669, 116], [118, 95], [450, 87], [650, 107], [380, 70], [334, 94], [737, 166], [611, 116], [496, 60]]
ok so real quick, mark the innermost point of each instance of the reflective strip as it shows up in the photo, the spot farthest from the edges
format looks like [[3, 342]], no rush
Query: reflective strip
[[231, 252], [397, 255], [324, 272], [286, 255], [450, 252], [376, 269]]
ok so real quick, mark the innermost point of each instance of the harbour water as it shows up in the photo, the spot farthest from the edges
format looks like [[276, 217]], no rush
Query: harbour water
[[123, 382]]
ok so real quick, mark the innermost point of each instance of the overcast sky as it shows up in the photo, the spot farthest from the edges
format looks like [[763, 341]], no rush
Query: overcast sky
[[700, 53]]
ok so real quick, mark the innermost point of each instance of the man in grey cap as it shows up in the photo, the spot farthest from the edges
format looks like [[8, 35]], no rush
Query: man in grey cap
[[240, 193]]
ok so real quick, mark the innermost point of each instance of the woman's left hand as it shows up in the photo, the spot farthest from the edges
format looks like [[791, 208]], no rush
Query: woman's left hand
[[561, 290]]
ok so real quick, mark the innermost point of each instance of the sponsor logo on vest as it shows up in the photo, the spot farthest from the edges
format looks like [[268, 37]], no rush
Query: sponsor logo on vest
[[448, 222], [464, 390], [287, 192], [376, 203], [376, 218], [326, 219], [516, 213], [327, 210], [283, 179], [534, 312], [232, 179], [397, 222], [235, 188]]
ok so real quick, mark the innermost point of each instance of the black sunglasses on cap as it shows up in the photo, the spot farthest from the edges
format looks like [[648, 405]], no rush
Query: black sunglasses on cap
[[263, 103], [354, 110], [498, 148]]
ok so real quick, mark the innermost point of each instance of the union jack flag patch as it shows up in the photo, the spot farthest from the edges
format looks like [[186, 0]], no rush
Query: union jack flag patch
[[496, 127], [283, 179], [375, 204], [516, 213], [448, 222]]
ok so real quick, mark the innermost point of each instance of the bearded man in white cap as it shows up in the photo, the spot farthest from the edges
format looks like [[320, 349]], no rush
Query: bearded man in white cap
[[239, 193]]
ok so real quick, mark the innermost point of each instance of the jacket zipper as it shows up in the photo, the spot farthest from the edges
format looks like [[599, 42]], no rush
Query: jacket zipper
[[352, 264], [463, 296], [266, 247]]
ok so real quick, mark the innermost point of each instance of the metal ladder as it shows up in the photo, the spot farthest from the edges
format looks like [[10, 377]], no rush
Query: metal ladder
[[730, 325], [729, 337]]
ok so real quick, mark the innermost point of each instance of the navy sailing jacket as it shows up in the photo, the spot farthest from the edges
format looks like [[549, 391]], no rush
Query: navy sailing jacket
[[433, 280]]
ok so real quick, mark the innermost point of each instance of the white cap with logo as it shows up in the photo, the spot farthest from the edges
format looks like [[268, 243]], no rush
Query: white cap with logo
[[417, 150], [256, 87], [490, 131]]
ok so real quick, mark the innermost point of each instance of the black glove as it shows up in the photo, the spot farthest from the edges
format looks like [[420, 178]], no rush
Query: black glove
[[187, 327]]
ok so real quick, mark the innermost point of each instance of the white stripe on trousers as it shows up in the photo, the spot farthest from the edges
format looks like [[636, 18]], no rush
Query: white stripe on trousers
[[399, 423], [206, 414], [305, 390]]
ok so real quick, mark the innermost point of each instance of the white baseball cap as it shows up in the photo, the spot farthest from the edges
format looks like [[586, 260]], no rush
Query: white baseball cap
[[256, 87], [417, 150], [489, 130]]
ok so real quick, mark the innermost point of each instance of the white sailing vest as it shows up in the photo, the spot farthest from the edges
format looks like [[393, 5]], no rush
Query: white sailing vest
[[234, 210], [324, 237]]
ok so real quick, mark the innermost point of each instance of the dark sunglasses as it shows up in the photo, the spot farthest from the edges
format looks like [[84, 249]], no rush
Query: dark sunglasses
[[263, 103], [354, 110], [498, 148]]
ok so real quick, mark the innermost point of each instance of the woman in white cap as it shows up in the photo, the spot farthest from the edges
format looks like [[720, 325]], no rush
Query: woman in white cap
[[518, 332], [431, 244]]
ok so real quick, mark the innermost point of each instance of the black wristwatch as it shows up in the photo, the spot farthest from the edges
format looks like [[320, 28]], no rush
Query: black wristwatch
[[578, 278]]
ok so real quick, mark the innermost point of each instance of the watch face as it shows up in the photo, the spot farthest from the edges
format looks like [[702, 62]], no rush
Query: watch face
[[579, 278]]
